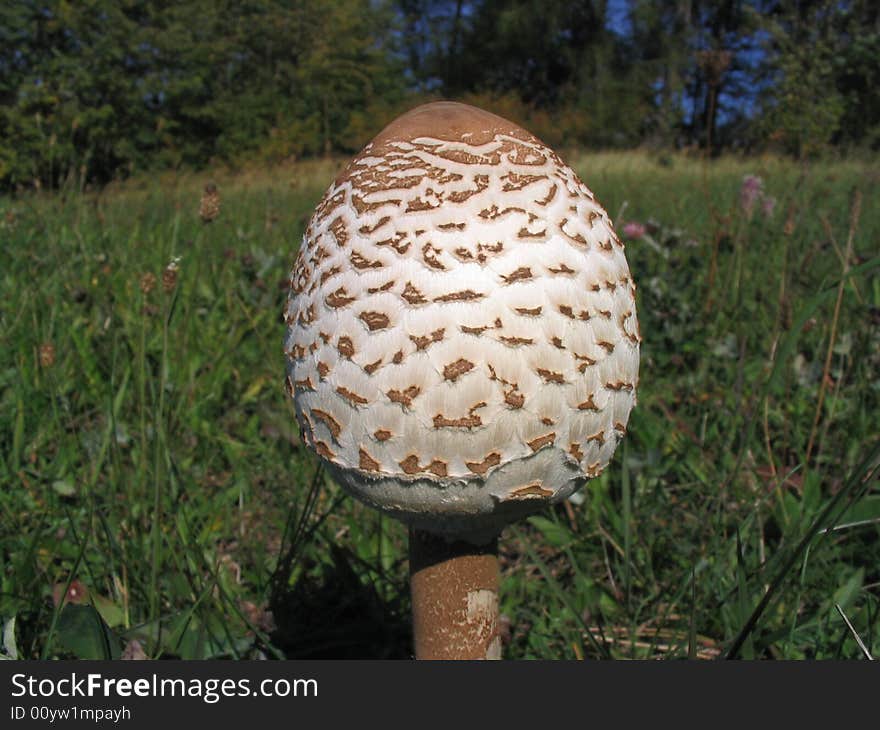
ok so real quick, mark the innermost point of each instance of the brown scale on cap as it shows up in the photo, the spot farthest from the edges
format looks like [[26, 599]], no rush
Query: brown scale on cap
[[320, 253], [471, 420], [345, 347], [339, 298], [585, 362], [455, 369], [306, 316], [620, 385], [372, 367], [530, 491], [577, 237], [481, 467], [480, 330], [404, 397], [331, 423], [323, 450], [340, 233], [418, 205], [362, 206], [528, 311], [306, 428], [329, 274], [523, 273], [375, 320], [541, 441], [423, 341], [413, 295], [549, 197], [410, 465], [351, 396], [362, 262], [481, 182], [367, 462], [430, 255], [398, 242], [550, 376], [589, 404], [297, 352], [515, 181], [485, 250], [385, 287], [593, 470], [514, 399], [460, 296], [516, 341], [367, 230]]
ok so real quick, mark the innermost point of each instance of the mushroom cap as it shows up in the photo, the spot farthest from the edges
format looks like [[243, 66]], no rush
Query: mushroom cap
[[462, 343]]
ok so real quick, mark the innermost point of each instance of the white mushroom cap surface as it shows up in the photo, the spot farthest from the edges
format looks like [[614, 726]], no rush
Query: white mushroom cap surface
[[462, 342]]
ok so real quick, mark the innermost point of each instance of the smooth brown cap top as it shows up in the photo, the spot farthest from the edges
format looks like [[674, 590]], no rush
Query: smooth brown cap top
[[448, 120]]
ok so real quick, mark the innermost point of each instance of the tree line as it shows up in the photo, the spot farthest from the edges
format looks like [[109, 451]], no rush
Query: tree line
[[97, 89]]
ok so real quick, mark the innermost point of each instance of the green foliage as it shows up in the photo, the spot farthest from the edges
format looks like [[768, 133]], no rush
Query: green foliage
[[95, 89], [92, 91], [82, 631], [824, 63], [807, 108]]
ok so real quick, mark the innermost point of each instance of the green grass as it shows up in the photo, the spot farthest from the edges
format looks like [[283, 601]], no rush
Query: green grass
[[151, 470]]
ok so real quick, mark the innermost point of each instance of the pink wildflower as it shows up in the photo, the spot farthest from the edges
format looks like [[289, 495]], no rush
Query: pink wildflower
[[633, 230], [749, 193], [768, 205]]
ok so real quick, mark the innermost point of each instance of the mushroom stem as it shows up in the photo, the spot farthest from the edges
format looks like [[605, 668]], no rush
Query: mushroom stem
[[454, 588]]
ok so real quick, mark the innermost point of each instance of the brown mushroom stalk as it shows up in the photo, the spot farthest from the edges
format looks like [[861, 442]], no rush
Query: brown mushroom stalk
[[454, 586], [462, 347]]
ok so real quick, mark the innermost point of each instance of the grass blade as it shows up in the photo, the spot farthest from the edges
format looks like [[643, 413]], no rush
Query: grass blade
[[854, 633], [856, 485]]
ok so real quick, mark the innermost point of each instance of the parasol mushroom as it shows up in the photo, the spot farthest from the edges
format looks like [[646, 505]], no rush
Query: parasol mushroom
[[462, 347]]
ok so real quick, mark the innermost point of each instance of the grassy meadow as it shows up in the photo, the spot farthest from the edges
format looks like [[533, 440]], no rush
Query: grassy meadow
[[155, 498]]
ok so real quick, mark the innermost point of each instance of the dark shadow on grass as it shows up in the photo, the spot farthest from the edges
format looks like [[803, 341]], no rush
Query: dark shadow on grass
[[339, 616]]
